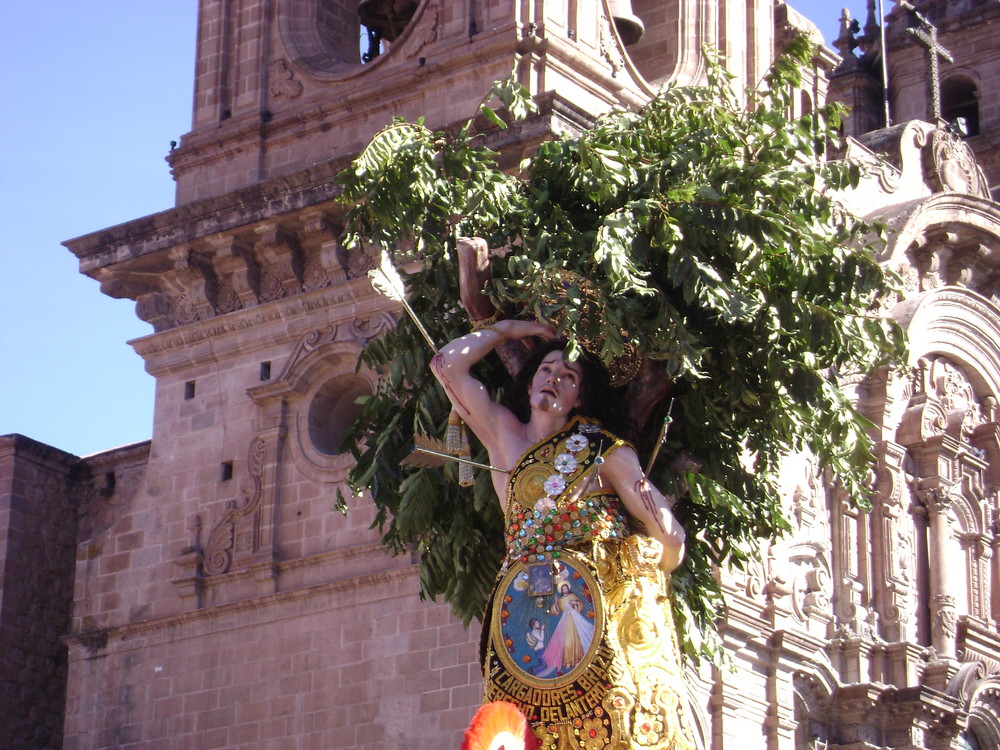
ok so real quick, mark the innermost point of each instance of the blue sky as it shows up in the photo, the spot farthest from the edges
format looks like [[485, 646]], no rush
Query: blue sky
[[94, 93]]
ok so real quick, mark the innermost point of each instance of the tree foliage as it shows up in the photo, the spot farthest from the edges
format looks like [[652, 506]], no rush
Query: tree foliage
[[706, 224]]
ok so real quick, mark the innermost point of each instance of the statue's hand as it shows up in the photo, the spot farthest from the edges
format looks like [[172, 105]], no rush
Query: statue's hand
[[522, 329]]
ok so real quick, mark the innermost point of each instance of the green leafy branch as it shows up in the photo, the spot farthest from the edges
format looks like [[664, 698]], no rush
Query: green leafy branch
[[703, 231]]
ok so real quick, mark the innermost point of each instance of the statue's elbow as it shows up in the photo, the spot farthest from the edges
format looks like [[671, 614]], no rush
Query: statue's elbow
[[673, 554]]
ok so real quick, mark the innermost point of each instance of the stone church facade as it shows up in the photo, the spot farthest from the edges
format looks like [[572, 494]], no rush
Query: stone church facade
[[200, 590]]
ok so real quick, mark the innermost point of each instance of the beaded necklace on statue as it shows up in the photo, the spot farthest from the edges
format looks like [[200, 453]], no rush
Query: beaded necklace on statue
[[546, 511]]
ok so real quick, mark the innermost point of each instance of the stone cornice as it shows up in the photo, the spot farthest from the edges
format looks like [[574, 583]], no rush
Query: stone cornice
[[278, 240], [25, 448], [228, 333], [186, 223]]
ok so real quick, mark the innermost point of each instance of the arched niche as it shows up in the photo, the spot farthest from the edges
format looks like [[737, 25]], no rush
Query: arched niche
[[960, 324], [815, 689], [979, 693], [960, 102], [323, 37], [954, 218]]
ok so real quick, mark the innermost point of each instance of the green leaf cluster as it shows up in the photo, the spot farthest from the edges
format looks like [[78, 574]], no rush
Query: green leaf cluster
[[708, 226]]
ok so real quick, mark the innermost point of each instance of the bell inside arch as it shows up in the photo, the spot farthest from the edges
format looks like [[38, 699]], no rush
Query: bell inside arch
[[386, 17], [629, 25]]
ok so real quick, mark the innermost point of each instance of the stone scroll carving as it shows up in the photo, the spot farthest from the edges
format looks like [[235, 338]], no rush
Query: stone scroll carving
[[942, 402], [425, 29], [798, 570], [236, 536], [951, 165]]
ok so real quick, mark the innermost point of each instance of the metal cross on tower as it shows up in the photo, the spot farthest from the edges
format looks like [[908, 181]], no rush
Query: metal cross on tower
[[926, 34]]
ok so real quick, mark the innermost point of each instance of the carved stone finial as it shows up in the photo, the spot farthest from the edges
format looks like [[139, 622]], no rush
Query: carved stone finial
[[846, 42]]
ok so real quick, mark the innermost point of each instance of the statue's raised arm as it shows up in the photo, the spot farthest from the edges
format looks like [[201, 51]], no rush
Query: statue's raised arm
[[496, 427]]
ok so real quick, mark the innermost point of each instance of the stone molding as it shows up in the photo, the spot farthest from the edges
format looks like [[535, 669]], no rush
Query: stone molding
[[142, 633], [173, 351], [912, 162]]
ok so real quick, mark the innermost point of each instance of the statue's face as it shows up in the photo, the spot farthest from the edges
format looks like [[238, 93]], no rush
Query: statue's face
[[555, 387]]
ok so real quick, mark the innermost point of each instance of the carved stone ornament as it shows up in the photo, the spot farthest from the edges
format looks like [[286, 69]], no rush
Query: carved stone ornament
[[362, 331], [945, 616], [234, 538], [943, 401], [157, 310], [359, 331], [282, 81], [314, 276], [951, 165], [226, 299], [425, 31], [807, 503], [610, 48]]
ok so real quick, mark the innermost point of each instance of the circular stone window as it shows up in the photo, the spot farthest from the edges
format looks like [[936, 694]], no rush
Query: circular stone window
[[333, 410]]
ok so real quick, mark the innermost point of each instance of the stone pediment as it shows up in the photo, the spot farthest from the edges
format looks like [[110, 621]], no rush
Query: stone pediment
[[909, 162]]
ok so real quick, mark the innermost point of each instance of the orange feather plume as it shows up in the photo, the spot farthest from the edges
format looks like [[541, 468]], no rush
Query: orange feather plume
[[499, 726]]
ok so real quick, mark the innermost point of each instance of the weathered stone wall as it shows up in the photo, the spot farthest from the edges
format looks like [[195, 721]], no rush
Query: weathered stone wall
[[358, 663], [220, 599], [37, 533]]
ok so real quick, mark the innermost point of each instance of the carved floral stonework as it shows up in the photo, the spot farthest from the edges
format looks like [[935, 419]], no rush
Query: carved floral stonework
[[610, 48], [797, 574], [229, 274], [943, 613], [943, 401], [949, 255], [895, 539], [185, 311], [282, 81], [314, 276], [195, 277]]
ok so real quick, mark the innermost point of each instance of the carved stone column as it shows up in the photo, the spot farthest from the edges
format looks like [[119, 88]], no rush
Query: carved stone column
[[942, 603], [893, 545], [851, 593], [995, 571]]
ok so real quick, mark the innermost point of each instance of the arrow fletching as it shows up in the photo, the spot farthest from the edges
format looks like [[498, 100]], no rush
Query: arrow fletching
[[387, 281]]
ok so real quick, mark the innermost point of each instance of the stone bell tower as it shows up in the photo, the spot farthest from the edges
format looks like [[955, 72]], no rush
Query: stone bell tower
[[220, 600], [282, 87]]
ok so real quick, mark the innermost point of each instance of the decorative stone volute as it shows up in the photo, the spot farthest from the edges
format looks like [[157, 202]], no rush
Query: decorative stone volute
[[282, 260], [240, 273], [193, 280]]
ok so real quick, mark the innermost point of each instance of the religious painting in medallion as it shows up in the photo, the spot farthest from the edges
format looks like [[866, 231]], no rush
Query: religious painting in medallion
[[550, 621]]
